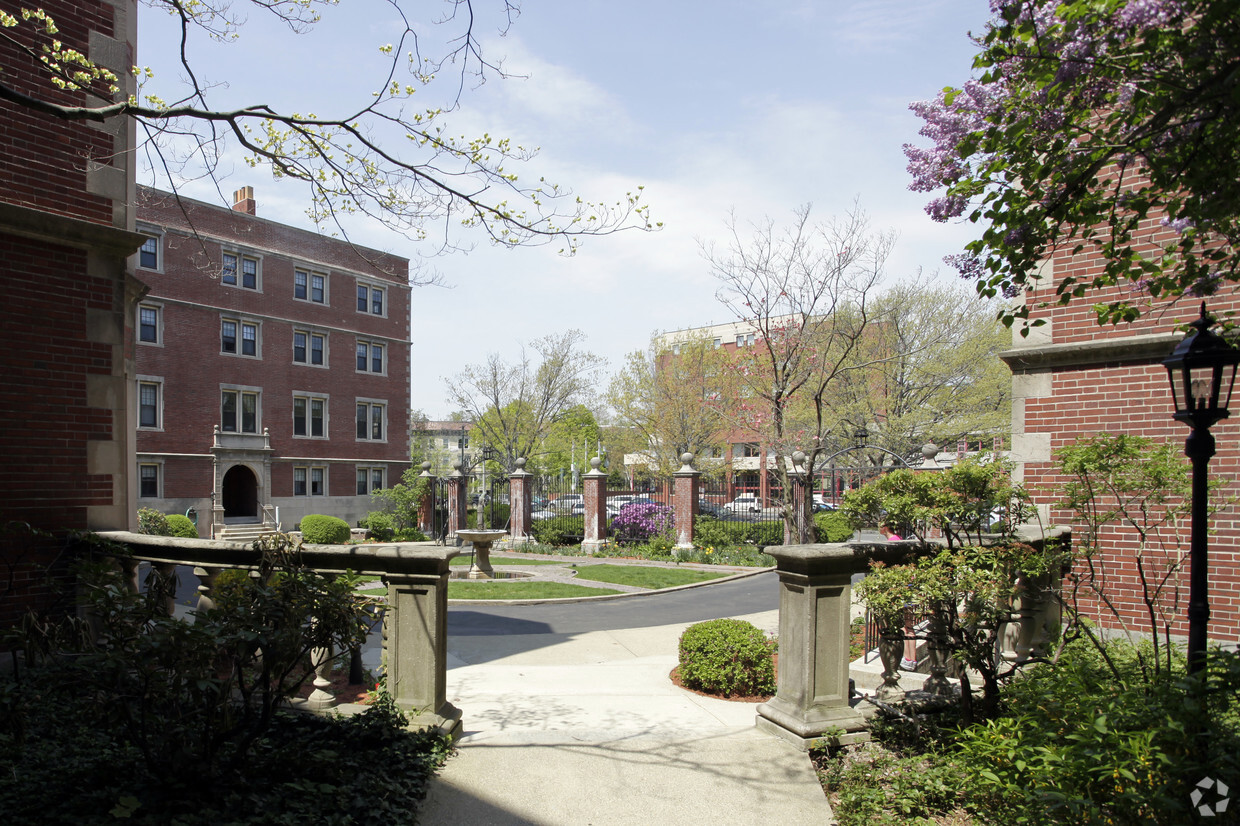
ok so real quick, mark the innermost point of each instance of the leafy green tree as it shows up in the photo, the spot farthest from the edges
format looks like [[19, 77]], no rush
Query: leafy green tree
[[515, 405], [1086, 122], [403, 501], [386, 158], [934, 375], [676, 399], [574, 437]]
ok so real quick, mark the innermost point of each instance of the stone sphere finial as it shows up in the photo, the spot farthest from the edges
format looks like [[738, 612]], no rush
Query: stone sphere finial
[[457, 464], [595, 462], [521, 463], [798, 458], [426, 467], [929, 450], [686, 458]]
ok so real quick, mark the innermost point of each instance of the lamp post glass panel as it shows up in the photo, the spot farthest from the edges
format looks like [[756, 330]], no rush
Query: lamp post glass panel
[[1202, 370]]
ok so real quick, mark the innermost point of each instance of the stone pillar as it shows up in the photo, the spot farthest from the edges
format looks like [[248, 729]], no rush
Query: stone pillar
[[594, 488], [685, 502], [520, 499], [426, 510], [415, 642], [811, 706], [458, 507]]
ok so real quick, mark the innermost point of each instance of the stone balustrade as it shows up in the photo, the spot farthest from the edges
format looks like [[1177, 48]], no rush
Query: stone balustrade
[[812, 705], [415, 622]]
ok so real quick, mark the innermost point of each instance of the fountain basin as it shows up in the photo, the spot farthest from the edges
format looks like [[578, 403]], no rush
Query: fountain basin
[[480, 575], [481, 541]]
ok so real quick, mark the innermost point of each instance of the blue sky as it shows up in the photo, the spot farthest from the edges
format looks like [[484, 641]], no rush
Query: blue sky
[[754, 107]]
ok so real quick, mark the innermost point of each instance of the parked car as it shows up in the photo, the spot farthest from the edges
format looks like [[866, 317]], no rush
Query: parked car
[[745, 503], [709, 508], [821, 504], [566, 502], [543, 513]]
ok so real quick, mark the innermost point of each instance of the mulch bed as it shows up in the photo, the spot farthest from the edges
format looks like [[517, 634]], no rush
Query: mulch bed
[[759, 698]]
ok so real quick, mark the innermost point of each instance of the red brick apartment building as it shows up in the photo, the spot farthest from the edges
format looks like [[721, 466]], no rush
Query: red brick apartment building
[[272, 367], [66, 238], [1072, 378]]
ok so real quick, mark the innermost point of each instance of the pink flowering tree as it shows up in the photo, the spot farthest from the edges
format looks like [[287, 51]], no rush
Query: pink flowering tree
[[1086, 120]]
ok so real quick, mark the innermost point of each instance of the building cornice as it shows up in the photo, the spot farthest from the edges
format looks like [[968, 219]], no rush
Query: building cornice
[[67, 231], [1142, 348]]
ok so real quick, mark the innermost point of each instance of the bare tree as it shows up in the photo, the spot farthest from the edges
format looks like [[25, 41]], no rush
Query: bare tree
[[514, 405], [383, 159], [805, 290]]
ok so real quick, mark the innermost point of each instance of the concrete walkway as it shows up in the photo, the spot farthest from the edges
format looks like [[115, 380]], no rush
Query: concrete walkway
[[588, 729]]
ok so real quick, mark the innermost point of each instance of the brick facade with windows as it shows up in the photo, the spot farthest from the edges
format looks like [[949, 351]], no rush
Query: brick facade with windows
[[281, 361], [66, 237], [1073, 378]]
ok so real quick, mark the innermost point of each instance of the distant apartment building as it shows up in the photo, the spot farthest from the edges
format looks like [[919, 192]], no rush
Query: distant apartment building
[[272, 367], [446, 442]]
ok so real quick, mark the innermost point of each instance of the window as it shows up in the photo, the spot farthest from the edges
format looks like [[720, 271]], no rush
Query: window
[[239, 411], [148, 481], [228, 337], [309, 481], [232, 264], [148, 254], [310, 286], [718, 343], [308, 348], [370, 421], [744, 340], [369, 480], [149, 407], [369, 299], [310, 417], [369, 357], [675, 349], [148, 324]]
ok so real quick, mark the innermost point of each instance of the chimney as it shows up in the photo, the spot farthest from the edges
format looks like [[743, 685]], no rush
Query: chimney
[[243, 201]]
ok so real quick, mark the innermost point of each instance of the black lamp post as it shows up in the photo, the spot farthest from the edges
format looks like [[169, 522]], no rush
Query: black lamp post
[[1202, 369]]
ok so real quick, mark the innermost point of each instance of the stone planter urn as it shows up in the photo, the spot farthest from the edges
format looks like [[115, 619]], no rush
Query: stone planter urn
[[890, 650]]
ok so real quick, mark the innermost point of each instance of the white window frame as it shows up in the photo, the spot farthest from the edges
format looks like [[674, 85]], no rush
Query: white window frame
[[239, 340], [311, 337], [158, 309], [157, 240], [371, 404], [369, 482], [238, 271], [310, 399], [311, 275], [371, 288], [241, 391], [159, 480], [369, 359], [158, 383]]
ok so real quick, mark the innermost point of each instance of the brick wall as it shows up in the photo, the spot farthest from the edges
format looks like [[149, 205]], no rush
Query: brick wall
[[65, 190], [1064, 394], [187, 289]]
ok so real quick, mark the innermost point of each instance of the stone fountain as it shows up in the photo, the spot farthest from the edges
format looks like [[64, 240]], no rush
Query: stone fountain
[[481, 540]]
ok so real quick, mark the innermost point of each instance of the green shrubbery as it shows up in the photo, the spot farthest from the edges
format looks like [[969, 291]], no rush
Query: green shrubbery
[[182, 526], [153, 522], [1073, 745], [320, 529], [728, 657], [558, 531], [711, 532], [833, 526], [182, 722]]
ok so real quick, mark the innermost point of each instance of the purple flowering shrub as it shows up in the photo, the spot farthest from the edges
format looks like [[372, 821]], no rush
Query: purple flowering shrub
[[643, 521]]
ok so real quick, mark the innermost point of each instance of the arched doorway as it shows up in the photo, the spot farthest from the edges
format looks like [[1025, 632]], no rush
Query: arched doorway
[[240, 492]]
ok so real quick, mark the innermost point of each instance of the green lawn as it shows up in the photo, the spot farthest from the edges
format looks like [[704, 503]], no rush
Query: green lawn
[[643, 576], [501, 589]]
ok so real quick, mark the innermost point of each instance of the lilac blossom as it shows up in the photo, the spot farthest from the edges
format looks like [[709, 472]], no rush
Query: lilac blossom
[[643, 520]]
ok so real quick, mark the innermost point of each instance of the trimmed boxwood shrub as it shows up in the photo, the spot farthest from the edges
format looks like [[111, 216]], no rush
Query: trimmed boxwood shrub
[[320, 529], [727, 657], [833, 526], [179, 525], [380, 526]]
